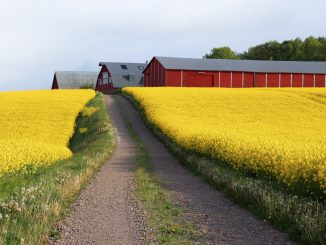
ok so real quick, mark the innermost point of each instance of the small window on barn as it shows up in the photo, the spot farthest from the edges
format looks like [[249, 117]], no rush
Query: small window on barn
[[124, 67], [141, 68], [105, 75]]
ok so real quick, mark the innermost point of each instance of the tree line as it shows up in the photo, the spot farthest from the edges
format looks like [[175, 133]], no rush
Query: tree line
[[309, 49]]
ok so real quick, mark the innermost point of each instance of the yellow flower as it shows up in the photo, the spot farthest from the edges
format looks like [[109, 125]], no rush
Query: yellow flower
[[83, 130], [36, 126], [89, 111], [280, 132]]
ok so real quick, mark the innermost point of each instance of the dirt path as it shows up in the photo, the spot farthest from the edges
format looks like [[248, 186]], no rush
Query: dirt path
[[219, 220], [105, 211]]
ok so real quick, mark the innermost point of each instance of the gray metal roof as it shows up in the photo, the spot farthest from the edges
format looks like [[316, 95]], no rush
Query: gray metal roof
[[75, 79], [132, 68], [132, 76], [242, 65]]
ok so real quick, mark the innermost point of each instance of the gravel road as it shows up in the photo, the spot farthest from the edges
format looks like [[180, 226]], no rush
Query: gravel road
[[219, 220], [107, 213]]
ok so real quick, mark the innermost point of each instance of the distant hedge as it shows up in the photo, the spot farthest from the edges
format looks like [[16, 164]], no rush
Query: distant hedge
[[310, 49]]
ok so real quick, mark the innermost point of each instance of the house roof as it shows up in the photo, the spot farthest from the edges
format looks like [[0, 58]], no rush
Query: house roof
[[75, 79], [125, 74], [116, 68], [242, 65]]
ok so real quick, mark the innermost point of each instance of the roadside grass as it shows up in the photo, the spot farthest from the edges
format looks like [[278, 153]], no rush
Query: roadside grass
[[33, 202], [302, 218], [114, 91], [165, 220]]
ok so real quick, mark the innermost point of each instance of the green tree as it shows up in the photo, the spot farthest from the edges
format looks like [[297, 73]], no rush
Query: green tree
[[297, 50], [311, 49], [222, 53], [286, 50], [322, 41], [265, 51]]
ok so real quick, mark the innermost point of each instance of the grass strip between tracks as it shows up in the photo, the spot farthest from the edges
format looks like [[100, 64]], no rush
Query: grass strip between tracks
[[165, 220]]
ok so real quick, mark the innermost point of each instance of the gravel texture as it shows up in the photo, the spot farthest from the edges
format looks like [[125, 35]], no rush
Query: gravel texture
[[107, 212], [218, 219]]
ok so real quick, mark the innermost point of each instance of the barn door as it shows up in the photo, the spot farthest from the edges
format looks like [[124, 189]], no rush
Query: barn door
[[200, 80]]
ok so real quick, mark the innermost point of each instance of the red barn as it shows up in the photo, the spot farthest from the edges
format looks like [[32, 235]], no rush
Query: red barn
[[186, 72]]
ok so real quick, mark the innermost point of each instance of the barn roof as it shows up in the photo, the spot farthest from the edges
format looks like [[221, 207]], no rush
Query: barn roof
[[123, 68], [125, 74], [242, 65], [75, 79]]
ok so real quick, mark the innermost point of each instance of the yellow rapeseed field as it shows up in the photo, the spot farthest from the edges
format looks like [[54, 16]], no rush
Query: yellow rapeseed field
[[280, 133], [36, 126]]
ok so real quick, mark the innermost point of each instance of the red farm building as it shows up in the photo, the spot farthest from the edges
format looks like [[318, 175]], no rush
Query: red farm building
[[115, 75], [186, 72]]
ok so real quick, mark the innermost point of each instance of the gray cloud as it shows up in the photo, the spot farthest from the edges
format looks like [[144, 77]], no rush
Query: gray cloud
[[39, 37]]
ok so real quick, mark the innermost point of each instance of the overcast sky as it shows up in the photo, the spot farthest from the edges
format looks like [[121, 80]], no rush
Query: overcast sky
[[40, 37]]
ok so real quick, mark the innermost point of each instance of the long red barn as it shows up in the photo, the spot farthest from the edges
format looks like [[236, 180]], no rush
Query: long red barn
[[188, 72]]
